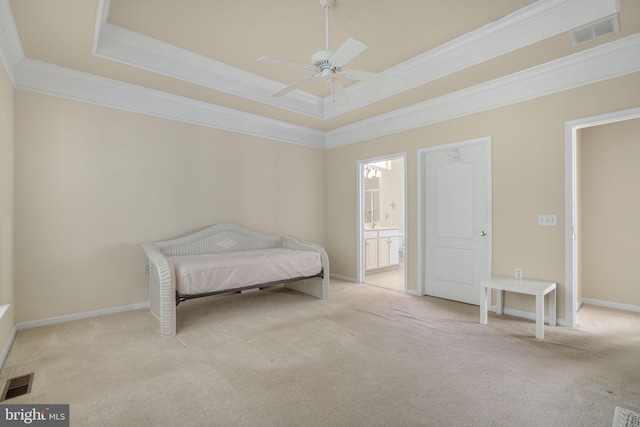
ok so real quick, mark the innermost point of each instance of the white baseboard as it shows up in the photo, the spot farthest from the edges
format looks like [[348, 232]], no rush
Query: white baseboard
[[528, 315], [353, 279], [78, 316], [341, 277], [609, 304], [7, 347]]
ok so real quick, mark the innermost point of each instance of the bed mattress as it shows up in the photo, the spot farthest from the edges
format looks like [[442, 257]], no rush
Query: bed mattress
[[198, 274]]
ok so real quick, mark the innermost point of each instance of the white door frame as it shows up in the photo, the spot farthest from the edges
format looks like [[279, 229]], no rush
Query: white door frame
[[360, 213], [571, 210], [422, 238]]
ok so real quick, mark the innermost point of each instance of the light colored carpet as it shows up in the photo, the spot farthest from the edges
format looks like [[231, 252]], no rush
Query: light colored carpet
[[365, 357]]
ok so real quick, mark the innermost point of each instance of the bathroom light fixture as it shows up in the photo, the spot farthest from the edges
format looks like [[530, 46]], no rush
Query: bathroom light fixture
[[371, 171]]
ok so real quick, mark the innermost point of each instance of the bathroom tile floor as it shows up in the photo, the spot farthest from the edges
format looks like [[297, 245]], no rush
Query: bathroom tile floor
[[390, 279]]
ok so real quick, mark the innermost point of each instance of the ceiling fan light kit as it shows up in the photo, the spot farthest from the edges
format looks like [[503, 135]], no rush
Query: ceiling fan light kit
[[328, 64]]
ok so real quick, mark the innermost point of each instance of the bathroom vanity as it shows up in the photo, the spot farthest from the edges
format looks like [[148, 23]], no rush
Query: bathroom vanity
[[382, 247]]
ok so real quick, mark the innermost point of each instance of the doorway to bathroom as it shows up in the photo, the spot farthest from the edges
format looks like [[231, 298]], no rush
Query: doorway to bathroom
[[382, 257]]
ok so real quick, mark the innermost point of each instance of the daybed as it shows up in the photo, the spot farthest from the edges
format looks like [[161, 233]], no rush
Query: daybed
[[228, 258]]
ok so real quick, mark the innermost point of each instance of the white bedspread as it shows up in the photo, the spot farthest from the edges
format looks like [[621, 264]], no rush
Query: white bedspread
[[198, 274]]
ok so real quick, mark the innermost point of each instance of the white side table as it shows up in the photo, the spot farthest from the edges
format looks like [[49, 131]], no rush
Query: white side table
[[539, 288]]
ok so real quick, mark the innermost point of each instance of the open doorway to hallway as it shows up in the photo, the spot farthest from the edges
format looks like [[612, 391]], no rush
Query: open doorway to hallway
[[577, 246], [381, 222], [607, 212]]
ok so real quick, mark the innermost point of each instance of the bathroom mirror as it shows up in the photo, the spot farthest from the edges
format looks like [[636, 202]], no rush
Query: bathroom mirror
[[371, 200]]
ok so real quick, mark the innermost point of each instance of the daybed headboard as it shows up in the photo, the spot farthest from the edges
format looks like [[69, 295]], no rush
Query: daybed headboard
[[219, 238]]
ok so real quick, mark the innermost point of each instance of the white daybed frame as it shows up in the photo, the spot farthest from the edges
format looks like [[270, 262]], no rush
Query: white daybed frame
[[216, 239]]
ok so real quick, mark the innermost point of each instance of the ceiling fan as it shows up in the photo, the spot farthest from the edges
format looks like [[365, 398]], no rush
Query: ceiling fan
[[329, 64]]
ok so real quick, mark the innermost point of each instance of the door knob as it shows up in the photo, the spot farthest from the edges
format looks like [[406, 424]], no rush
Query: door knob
[[482, 233]]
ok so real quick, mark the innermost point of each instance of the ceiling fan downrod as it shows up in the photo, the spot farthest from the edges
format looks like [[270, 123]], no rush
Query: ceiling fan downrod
[[326, 4]]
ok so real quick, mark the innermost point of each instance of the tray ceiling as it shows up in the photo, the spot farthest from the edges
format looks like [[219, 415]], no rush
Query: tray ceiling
[[199, 56]]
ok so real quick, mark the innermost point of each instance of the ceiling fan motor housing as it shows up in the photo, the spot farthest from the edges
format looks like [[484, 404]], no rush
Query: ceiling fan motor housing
[[322, 61], [328, 63]]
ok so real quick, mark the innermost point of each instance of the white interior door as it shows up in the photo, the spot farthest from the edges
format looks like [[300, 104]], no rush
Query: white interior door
[[457, 219]]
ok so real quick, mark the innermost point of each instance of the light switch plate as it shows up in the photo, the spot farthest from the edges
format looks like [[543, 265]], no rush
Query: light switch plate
[[548, 220]]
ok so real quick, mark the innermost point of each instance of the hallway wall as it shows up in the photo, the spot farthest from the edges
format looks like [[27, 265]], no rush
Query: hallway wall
[[610, 208]]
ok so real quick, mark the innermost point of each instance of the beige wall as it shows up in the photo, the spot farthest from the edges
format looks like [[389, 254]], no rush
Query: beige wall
[[528, 179], [6, 206], [93, 183], [610, 268]]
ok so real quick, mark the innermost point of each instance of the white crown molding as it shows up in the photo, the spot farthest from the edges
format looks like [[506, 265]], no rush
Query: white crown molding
[[607, 61], [63, 82], [11, 52], [529, 25], [102, 15], [125, 46], [131, 48], [536, 22], [604, 62]]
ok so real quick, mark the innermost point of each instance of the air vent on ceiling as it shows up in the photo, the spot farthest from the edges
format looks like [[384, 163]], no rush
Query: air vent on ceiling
[[595, 30]]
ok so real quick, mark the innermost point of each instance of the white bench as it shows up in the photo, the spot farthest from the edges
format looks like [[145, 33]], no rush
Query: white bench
[[260, 260], [536, 287]]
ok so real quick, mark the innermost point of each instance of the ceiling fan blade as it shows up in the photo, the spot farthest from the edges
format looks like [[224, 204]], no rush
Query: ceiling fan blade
[[349, 50], [294, 85], [366, 76], [284, 61], [340, 96]]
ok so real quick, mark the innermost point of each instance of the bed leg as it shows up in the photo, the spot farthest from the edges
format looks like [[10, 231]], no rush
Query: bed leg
[[316, 286]]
